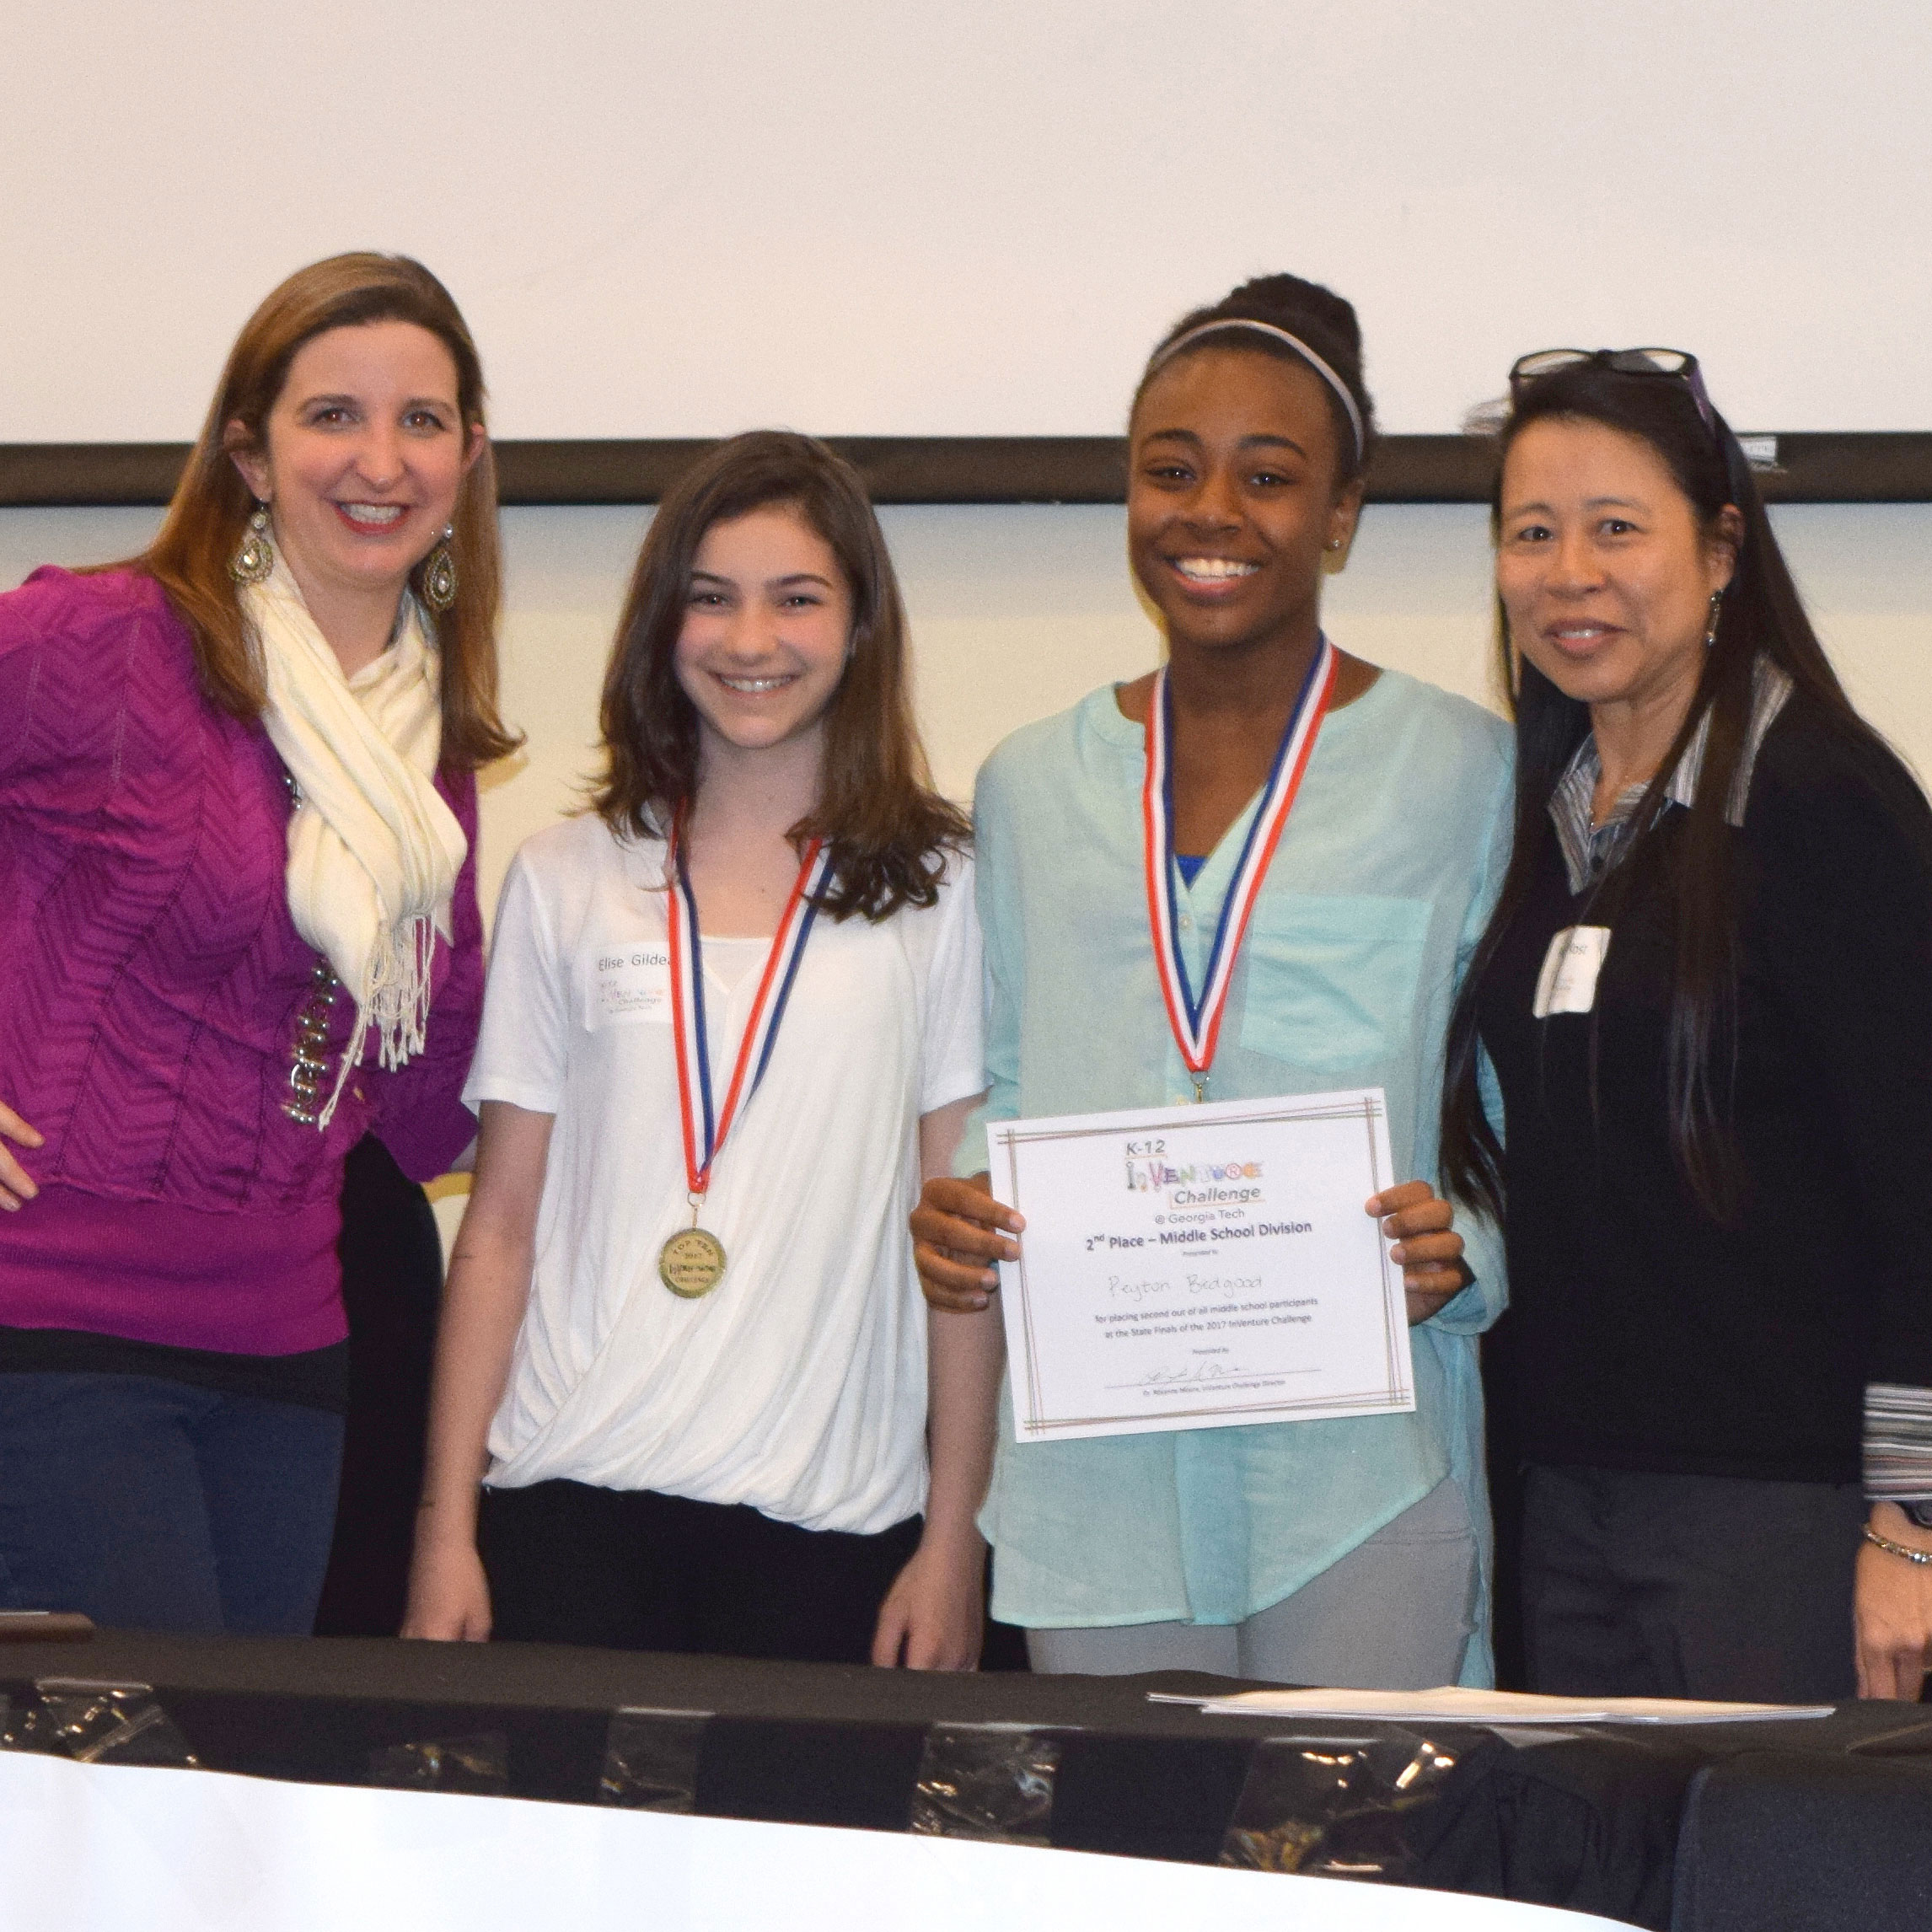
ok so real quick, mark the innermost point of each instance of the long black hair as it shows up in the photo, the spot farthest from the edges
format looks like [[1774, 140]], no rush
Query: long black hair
[[1760, 615]]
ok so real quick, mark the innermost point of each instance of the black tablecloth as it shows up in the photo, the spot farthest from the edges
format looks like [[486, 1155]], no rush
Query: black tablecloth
[[1768, 1814]]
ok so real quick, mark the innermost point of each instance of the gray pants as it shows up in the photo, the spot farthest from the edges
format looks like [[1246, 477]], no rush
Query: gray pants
[[1394, 1614]]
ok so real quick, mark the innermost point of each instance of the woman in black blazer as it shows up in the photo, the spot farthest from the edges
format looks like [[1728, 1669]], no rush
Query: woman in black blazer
[[1705, 995]]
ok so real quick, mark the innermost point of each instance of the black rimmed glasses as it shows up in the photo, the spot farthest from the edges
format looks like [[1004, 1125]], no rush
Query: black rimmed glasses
[[1675, 365]]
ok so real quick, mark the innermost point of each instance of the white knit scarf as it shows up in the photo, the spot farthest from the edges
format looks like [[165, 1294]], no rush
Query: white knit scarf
[[373, 851]]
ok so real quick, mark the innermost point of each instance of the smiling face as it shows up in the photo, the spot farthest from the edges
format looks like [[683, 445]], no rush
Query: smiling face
[[1605, 571], [767, 620], [362, 458], [1232, 501]]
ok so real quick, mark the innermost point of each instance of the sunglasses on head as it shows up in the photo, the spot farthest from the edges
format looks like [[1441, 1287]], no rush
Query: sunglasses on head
[[1677, 365]]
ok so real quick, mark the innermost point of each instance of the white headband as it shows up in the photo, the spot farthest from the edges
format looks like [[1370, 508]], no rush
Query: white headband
[[1294, 342]]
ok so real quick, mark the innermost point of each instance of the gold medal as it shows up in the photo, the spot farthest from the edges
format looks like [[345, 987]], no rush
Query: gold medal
[[691, 1263]]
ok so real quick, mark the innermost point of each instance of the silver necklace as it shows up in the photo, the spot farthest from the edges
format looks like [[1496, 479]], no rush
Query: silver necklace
[[309, 1061]]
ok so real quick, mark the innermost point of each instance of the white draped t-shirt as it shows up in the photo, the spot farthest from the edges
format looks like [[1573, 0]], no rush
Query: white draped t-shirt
[[798, 1385]]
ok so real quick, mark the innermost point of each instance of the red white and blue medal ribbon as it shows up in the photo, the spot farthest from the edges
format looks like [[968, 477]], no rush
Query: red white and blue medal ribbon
[[1196, 1022], [706, 1124]]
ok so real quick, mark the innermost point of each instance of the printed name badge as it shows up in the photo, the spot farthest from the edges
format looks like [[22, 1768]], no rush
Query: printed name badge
[[633, 986], [1568, 981]]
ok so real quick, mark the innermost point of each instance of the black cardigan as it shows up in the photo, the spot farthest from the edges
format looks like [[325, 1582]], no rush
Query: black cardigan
[[1643, 1335]]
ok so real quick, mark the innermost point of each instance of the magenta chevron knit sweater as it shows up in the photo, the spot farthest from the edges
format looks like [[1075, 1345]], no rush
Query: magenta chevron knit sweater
[[150, 982]]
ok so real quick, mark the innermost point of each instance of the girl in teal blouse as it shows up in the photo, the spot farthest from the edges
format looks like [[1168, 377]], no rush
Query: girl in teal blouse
[[1339, 1552]]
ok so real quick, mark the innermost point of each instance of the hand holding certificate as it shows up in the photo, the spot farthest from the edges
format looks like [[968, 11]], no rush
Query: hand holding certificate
[[1201, 1267]]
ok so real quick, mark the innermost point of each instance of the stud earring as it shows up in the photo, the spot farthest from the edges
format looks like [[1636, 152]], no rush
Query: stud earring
[[1710, 625], [1334, 543], [439, 573], [254, 561]]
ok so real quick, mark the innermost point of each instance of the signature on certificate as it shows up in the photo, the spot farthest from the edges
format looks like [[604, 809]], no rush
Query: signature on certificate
[[1186, 1377], [1204, 1375]]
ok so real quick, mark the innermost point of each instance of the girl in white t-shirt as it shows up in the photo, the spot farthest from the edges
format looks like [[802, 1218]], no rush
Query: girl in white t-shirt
[[732, 1019]]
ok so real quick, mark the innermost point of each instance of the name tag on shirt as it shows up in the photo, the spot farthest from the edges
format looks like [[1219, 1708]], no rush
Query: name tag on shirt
[[633, 986], [1568, 981]]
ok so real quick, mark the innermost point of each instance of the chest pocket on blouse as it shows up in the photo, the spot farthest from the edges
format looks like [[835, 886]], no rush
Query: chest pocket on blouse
[[1333, 983]]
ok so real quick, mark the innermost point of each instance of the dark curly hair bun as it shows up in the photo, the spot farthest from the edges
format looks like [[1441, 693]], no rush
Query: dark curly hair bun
[[1315, 315]]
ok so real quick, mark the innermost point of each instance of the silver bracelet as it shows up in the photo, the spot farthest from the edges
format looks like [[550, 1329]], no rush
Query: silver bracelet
[[1891, 1548]]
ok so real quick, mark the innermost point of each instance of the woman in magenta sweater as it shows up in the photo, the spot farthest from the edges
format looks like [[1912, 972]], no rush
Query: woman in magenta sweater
[[237, 930]]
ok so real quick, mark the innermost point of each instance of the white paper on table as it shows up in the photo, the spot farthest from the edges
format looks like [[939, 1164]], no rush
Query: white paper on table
[[1452, 1704], [1201, 1267]]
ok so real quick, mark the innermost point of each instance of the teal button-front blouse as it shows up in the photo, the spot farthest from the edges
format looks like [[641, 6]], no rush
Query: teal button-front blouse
[[1379, 887]]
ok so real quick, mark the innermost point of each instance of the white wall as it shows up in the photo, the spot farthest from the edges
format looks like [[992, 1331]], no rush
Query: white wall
[[869, 217], [1018, 611]]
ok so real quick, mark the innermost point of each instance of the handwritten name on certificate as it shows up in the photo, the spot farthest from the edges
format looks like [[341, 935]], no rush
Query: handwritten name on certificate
[[1201, 1267]]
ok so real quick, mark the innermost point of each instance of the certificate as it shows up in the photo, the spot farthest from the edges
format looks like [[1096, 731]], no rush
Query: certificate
[[1201, 1267]]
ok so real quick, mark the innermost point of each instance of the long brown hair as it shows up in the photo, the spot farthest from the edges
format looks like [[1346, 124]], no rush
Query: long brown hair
[[1760, 614], [211, 508], [888, 830]]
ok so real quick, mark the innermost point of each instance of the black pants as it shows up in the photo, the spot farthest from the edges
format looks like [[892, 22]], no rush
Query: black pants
[[631, 1569], [1642, 1585], [391, 1283]]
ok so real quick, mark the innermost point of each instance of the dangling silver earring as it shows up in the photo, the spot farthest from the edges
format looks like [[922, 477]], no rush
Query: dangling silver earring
[[439, 573], [254, 561], [1716, 611]]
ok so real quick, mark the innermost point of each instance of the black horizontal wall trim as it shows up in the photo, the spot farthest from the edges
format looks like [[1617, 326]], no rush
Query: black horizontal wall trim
[[1811, 468]]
